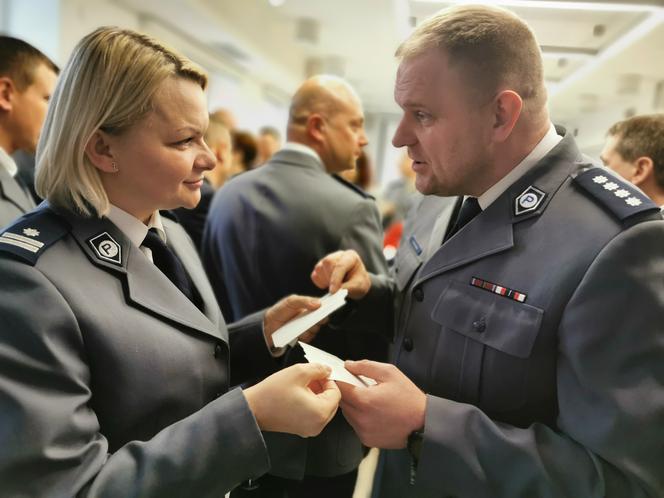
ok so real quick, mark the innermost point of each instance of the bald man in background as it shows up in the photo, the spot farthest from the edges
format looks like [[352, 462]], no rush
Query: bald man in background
[[634, 149], [265, 231]]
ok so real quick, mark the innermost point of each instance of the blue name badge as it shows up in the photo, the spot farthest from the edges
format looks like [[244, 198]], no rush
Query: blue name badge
[[415, 245]]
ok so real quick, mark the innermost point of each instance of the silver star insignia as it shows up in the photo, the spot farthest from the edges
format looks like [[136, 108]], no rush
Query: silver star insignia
[[611, 186], [600, 179], [633, 201], [31, 232], [622, 193]]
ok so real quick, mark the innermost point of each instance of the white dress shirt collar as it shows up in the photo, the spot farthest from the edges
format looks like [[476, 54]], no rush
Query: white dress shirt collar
[[304, 149], [133, 228], [7, 162], [543, 147]]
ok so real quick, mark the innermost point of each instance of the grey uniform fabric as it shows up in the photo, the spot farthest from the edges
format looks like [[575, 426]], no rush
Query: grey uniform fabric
[[112, 383], [14, 199], [266, 230], [561, 395]]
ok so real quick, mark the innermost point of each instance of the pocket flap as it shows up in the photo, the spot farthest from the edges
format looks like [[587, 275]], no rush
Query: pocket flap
[[499, 322], [406, 264]]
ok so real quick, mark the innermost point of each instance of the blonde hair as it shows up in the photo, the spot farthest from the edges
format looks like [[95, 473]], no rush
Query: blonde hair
[[494, 47], [108, 84]]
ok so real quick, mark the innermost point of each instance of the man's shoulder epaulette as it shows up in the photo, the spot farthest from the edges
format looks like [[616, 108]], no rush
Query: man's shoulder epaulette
[[620, 197], [353, 187], [30, 235]]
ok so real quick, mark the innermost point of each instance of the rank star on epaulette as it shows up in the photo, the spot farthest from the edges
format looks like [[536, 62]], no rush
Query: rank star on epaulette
[[615, 194]]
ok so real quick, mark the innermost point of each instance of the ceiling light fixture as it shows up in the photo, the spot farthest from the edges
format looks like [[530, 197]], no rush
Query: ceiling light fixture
[[557, 5]]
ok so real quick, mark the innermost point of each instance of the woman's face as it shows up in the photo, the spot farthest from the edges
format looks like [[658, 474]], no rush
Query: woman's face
[[161, 159]]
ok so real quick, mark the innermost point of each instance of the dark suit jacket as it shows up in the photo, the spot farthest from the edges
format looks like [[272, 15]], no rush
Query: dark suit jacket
[[193, 220], [14, 200], [112, 383], [266, 230], [560, 393]]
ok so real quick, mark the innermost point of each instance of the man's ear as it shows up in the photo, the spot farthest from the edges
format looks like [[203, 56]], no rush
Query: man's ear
[[507, 107], [7, 91], [98, 151], [316, 127], [644, 170]]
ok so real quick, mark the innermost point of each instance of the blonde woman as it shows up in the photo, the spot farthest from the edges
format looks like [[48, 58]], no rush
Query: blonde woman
[[114, 357]]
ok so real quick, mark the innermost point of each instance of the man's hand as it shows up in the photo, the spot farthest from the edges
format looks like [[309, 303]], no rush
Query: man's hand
[[385, 414], [285, 310], [299, 400], [342, 269]]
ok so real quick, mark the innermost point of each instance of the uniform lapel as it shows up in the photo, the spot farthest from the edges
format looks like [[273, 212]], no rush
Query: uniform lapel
[[492, 231], [489, 233], [13, 192], [146, 286], [189, 258]]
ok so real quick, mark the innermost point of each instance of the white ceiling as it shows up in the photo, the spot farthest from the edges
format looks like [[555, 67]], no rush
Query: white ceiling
[[597, 54]]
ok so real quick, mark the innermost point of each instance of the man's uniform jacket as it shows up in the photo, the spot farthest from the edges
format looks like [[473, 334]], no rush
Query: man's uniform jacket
[[112, 383], [266, 230], [537, 334], [14, 200]]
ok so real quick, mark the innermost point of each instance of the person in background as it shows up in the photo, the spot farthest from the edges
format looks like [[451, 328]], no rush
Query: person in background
[[225, 117], [218, 139], [114, 356], [634, 149], [400, 195], [268, 142], [27, 78], [244, 152], [527, 320], [362, 174], [265, 231]]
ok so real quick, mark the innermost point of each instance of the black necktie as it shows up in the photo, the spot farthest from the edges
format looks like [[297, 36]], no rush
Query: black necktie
[[170, 265], [469, 209]]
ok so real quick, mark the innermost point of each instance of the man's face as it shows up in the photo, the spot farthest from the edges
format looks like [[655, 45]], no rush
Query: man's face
[[448, 135], [29, 109], [344, 137], [613, 160]]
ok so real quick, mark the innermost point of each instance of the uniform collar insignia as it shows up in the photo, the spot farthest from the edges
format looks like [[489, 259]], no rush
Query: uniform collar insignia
[[528, 201], [106, 248]]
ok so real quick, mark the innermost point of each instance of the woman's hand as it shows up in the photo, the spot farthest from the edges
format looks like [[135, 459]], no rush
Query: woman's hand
[[298, 400], [287, 309]]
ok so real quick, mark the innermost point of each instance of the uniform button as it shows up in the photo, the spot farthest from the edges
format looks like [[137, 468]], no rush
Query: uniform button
[[418, 294], [479, 325], [217, 351], [408, 344]]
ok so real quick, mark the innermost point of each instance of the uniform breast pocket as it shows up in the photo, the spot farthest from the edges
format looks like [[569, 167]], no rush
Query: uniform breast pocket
[[489, 339], [406, 263]]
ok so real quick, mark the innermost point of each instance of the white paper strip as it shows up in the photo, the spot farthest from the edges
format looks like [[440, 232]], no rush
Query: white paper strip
[[295, 328], [339, 372]]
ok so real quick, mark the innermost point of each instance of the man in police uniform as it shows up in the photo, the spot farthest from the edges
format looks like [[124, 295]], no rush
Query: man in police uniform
[[529, 345], [634, 149], [27, 78], [266, 230]]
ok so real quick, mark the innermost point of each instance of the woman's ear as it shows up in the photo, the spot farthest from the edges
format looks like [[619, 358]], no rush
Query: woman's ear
[[98, 151]]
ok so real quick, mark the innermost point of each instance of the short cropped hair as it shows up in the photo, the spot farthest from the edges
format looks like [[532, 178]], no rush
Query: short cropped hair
[[494, 47], [641, 136], [271, 131], [108, 84], [19, 60], [244, 143]]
